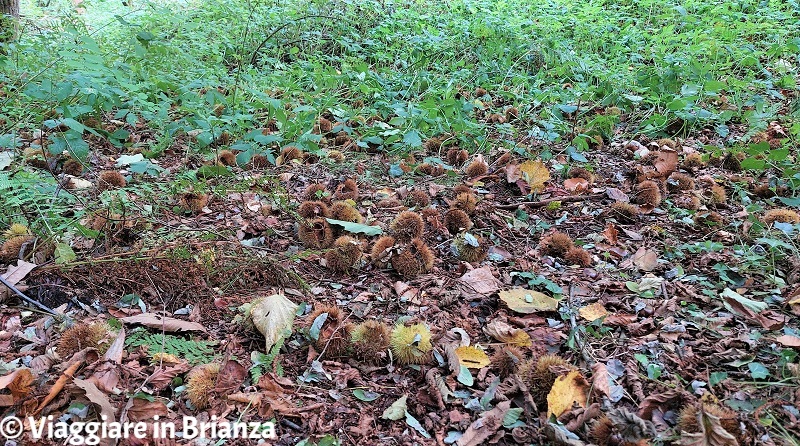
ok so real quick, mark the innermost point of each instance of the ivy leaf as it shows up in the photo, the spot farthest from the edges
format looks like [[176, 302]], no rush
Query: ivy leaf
[[758, 370], [366, 396]]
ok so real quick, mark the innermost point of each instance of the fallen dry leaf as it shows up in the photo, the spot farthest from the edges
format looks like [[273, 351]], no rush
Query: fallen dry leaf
[[527, 301], [272, 315], [97, 397], [567, 390], [478, 282], [666, 162], [164, 323], [19, 383], [485, 426], [711, 433], [645, 259], [472, 357], [535, 173], [788, 341], [576, 185], [504, 332], [143, 409], [601, 380], [593, 312]]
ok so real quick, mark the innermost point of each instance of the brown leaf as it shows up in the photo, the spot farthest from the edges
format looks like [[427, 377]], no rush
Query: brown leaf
[[601, 380], [788, 341], [18, 272], [611, 234], [19, 382], [711, 433], [485, 426], [576, 185], [97, 397], [164, 323], [630, 427], [620, 319], [143, 409], [478, 282], [617, 195], [593, 312], [666, 162], [230, 377], [162, 377], [645, 259], [504, 332]]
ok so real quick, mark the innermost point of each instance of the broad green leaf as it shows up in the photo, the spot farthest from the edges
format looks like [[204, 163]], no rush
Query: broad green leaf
[[356, 227], [366, 395], [64, 253], [758, 370]]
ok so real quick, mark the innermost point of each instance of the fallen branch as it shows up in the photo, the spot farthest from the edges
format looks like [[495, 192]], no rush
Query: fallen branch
[[27, 299], [542, 203], [58, 386]]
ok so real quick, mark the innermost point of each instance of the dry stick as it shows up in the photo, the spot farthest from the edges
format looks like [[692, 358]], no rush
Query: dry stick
[[58, 386], [542, 203], [29, 300]]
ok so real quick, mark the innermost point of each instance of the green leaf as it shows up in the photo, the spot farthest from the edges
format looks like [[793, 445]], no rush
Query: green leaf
[[758, 370], [356, 227], [677, 104], [412, 138], [750, 304], [465, 376], [511, 417], [366, 395], [753, 164], [316, 326], [64, 254], [213, 171], [717, 377], [411, 421]]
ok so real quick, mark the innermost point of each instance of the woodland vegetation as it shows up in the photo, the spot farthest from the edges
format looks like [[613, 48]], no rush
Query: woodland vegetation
[[405, 222]]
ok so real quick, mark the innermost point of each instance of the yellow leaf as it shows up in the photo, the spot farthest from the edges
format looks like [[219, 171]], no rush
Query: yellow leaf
[[504, 332], [526, 301], [472, 357], [567, 390], [593, 312], [535, 173]]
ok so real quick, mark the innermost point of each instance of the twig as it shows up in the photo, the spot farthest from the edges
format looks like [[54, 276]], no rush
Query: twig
[[27, 299], [542, 203]]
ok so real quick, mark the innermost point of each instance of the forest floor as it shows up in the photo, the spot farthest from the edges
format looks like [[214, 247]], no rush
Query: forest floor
[[482, 263]]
